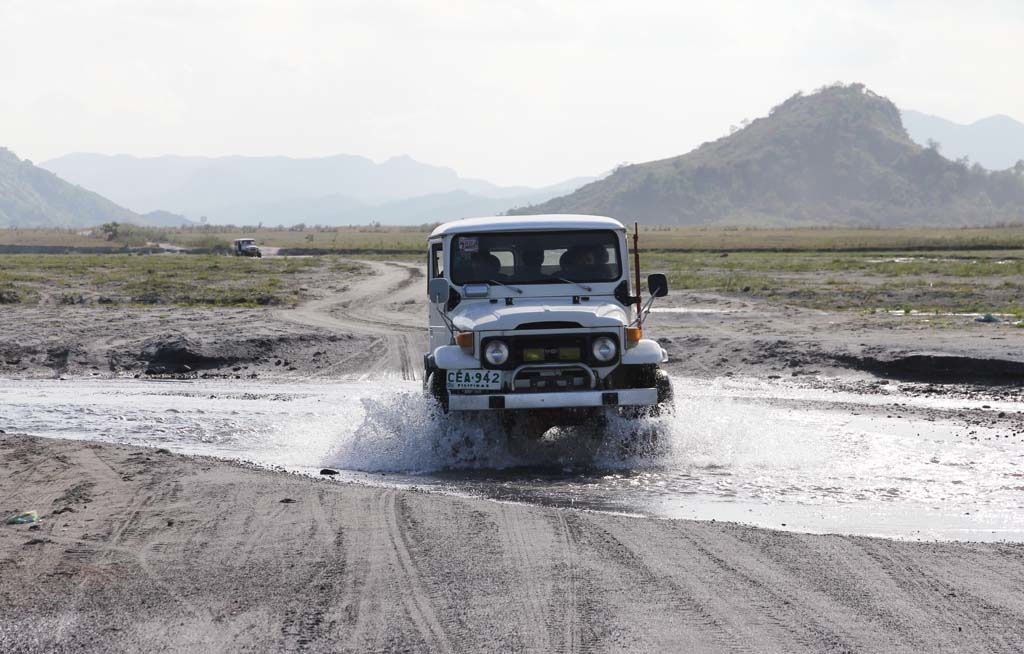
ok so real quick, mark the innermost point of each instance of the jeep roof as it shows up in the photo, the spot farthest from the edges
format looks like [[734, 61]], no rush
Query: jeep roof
[[549, 222]]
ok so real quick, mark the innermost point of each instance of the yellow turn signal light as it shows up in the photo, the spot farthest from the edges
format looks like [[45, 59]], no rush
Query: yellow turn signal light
[[464, 340], [633, 336]]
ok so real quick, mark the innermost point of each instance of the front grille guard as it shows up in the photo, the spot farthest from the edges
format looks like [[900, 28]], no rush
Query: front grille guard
[[541, 367]]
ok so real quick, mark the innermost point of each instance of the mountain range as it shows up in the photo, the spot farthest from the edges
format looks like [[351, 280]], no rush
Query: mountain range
[[33, 197], [996, 142], [838, 156], [842, 155], [337, 190]]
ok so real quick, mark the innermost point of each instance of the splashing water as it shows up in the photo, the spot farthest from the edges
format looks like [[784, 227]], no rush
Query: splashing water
[[407, 432], [746, 450]]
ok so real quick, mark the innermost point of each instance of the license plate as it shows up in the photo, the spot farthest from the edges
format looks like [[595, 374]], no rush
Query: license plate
[[474, 380]]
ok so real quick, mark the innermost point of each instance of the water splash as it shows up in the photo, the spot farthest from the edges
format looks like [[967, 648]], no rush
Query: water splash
[[747, 450], [409, 433]]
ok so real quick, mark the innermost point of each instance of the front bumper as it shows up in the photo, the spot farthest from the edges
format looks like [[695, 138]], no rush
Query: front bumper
[[556, 400]]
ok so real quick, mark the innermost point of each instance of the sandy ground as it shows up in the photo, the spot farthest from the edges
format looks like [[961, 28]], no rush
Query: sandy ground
[[142, 550]]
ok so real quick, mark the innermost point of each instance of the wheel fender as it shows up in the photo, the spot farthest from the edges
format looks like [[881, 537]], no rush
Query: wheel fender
[[647, 351], [451, 357]]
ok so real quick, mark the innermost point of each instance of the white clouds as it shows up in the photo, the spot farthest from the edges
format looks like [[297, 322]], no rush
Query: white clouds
[[521, 92]]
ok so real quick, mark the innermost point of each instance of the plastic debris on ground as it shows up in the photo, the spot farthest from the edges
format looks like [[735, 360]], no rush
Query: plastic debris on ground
[[23, 518]]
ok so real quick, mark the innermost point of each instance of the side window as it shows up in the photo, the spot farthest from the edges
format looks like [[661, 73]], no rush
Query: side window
[[436, 260]]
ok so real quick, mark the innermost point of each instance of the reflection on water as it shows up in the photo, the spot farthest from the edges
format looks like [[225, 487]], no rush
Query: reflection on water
[[749, 451]]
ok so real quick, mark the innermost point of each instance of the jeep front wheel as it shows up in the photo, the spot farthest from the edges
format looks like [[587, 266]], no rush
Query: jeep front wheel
[[436, 386]]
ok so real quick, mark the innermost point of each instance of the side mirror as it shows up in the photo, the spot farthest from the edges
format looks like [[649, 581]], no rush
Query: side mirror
[[437, 290], [657, 284]]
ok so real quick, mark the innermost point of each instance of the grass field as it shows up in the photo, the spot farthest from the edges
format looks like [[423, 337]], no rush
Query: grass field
[[52, 237], [830, 239], [938, 281], [185, 280], [975, 270], [678, 238], [718, 239]]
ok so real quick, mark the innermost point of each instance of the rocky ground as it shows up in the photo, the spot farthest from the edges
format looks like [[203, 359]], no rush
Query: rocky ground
[[376, 317]]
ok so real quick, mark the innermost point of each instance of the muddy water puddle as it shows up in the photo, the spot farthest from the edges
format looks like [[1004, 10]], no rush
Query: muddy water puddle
[[772, 454]]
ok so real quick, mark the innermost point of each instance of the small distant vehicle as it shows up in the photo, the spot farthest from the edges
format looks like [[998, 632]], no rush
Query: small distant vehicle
[[535, 318], [245, 247]]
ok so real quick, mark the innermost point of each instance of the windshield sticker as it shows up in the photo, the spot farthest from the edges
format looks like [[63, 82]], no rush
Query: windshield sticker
[[469, 244]]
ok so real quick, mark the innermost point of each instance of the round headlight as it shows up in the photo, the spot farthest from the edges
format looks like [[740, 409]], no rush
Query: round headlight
[[496, 353], [604, 349]]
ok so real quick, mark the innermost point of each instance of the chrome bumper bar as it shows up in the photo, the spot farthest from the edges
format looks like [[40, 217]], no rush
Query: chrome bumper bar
[[557, 400]]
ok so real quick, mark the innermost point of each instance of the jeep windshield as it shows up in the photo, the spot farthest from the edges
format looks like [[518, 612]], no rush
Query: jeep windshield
[[536, 257]]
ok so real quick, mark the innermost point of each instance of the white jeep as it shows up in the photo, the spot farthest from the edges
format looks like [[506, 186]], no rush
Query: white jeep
[[535, 317], [245, 247]]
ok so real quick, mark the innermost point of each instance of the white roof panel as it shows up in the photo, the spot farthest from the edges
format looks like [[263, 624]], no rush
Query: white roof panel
[[549, 222]]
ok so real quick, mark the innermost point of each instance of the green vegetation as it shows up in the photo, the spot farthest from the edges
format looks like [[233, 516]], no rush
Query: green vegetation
[[829, 239], [930, 282], [185, 280], [364, 239], [370, 240], [840, 156], [944, 270]]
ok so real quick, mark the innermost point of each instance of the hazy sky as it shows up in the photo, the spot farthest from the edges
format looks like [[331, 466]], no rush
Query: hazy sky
[[517, 92]]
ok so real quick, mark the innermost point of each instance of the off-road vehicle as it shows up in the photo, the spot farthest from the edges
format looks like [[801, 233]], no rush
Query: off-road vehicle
[[245, 247], [536, 317]]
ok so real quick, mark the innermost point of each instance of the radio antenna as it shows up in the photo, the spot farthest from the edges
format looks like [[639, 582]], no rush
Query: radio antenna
[[636, 268]]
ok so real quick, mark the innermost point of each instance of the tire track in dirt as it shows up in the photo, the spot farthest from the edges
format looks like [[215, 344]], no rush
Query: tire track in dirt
[[308, 623], [357, 568], [522, 556], [362, 588], [417, 601], [397, 332], [789, 604], [571, 637], [128, 539], [695, 621], [934, 594]]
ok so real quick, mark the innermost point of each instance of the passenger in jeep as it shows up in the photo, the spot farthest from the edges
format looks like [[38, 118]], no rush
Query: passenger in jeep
[[584, 262], [486, 266], [532, 270]]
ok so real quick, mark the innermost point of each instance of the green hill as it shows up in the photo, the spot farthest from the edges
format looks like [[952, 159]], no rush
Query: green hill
[[839, 156], [33, 197]]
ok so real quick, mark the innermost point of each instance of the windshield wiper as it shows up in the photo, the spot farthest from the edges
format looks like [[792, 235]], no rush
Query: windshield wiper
[[513, 288], [569, 281]]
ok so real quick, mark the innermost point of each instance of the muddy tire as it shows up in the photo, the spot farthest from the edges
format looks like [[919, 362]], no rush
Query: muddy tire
[[435, 386], [647, 376], [666, 396]]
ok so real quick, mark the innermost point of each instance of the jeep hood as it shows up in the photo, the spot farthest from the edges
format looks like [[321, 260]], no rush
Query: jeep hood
[[484, 316]]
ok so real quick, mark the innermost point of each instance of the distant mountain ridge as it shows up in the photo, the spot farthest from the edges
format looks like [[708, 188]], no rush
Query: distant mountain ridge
[[334, 190], [838, 156], [33, 197], [996, 142]]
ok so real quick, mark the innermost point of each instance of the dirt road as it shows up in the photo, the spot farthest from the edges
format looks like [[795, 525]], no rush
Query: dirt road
[[140, 550], [385, 304]]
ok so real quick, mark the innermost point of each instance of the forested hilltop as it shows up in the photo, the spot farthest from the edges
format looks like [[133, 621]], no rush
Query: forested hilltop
[[838, 156]]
